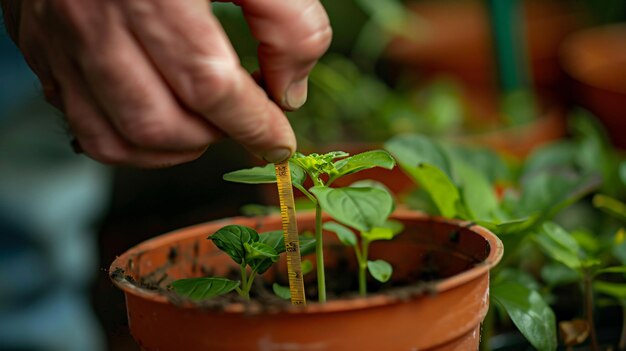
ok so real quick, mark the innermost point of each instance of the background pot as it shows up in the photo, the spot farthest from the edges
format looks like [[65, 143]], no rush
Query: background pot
[[595, 61], [446, 319], [454, 38]]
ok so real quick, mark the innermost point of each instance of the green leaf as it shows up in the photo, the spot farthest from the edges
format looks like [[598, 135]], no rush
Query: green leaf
[[490, 164], [369, 183], [260, 257], [380, 270], [359, 208], [315, 164], [345, 234], [512, 226], [619, 248], [258, 250], [412, 150], [615, 290], [610, 205], [587, 241], [608, 270], [548, 192], [378, 233], [281, 291], [231, 239], [477, 193], [362, 161], [306, 267], [264, 175], [203, 288], [514, 275], [529, 312], [556, 155], [439, 186], [274, 239], [255, 175], [559, 245], [428, 165], [307, 244], [254, 210], [555, 274], [622, 172], [396, 226]]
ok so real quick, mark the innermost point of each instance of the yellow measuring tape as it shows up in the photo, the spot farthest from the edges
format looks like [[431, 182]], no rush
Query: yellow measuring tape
[[290, 232]]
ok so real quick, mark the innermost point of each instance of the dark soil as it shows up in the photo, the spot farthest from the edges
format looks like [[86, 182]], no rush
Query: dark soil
[[340, 283]]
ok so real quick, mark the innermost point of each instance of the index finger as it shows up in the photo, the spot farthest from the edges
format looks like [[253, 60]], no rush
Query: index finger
[[293, 35]]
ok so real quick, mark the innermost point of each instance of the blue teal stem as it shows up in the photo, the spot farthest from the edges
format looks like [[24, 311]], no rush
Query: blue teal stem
[[507, 30]]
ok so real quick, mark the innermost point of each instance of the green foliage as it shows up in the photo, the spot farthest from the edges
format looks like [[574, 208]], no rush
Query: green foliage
[[359, 162], [610, 205], [361, 208], [345, 234], [461, 183], [247, 248], [364, 206], [381, 270], [204, 288], [232, 239], [281, 291], [530, 313], [264, 175], [560, 246]]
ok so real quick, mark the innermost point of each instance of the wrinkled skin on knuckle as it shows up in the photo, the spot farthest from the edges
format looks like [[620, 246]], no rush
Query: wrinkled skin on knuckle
[[317, 35], [208, 83], [148, 133], [104, 153], [255, 132]]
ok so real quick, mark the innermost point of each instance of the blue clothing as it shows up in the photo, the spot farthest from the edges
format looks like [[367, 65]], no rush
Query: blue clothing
[[49, 199]]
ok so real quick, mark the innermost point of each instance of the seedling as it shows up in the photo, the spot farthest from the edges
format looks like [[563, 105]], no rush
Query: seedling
[[362, 208], [584, 255], [381, 270], [254, 254]]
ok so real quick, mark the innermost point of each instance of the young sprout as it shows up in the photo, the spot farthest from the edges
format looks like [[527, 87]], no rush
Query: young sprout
[[254, 254], [359, 207], [381, 270]]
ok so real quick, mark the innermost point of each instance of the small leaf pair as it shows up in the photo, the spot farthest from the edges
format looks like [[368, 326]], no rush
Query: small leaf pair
[[248, 249], [379, 269]]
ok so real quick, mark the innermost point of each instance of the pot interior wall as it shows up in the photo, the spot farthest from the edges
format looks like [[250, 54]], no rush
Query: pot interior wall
[[426, 251]]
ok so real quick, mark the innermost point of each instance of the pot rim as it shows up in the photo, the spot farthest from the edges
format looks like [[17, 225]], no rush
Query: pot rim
[[495, 255]]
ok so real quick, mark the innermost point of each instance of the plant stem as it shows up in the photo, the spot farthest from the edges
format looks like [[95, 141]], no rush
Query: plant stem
[[250, 282], [244, 282], [308, 194], [622, 340], [363, 268], [589, 310], [319, 254]]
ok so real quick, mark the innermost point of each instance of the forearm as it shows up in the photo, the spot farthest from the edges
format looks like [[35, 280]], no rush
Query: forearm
[[11, 13]]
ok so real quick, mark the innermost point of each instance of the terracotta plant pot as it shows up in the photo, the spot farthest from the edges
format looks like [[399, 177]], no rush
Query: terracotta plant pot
[[437, 314], [595, 60]]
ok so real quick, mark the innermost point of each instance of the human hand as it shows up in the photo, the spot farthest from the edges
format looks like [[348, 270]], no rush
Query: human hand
[[152, 83]]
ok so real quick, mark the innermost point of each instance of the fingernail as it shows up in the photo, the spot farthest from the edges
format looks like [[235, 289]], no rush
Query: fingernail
[[277, 155], [296, 94]]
